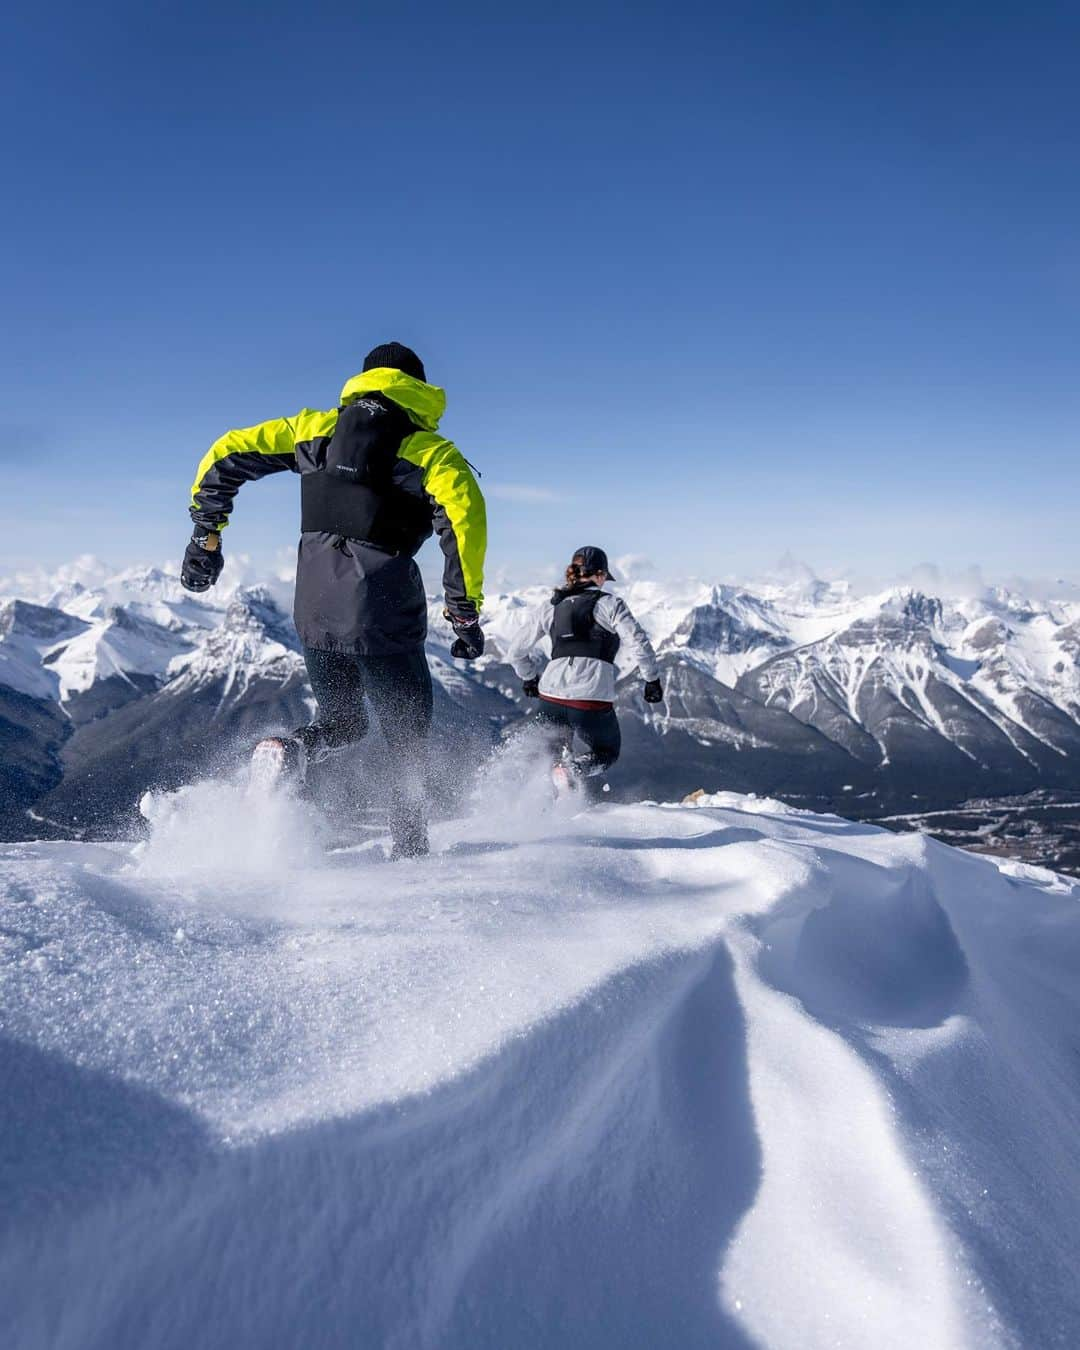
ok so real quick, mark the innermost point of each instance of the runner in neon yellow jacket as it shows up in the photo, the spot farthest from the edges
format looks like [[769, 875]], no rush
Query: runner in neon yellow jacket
[[376, 480], [376, 474]]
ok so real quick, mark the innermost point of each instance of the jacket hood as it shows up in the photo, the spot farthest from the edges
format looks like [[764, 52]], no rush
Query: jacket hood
[[425, 403]]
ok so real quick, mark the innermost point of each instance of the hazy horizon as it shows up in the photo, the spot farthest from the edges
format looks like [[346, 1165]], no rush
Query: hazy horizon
[[970, 582]]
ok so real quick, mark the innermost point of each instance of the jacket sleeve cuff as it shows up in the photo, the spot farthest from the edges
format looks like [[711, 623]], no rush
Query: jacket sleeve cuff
[[464, 611], [208, 520]]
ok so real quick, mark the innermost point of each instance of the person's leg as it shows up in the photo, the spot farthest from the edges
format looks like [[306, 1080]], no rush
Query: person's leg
[[338, 686], [603, 740], [400, 690], [552, 722]]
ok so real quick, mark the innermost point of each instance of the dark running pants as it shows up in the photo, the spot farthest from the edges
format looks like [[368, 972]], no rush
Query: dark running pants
[[399, 688], [596, 728]]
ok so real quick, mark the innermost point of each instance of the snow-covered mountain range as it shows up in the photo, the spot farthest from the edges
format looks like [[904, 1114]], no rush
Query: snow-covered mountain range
[[868, 703]]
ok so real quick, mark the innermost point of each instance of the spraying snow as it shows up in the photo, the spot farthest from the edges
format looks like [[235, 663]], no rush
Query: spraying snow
[[228, 828]]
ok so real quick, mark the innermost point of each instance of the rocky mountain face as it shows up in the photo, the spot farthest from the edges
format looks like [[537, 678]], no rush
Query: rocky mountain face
[[908, 692], [865, 704]]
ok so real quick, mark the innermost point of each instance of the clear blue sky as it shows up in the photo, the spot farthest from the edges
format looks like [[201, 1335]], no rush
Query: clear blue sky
[[702, 282]]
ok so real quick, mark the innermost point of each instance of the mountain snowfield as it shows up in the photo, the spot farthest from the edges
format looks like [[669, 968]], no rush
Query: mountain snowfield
[[727, 1075]]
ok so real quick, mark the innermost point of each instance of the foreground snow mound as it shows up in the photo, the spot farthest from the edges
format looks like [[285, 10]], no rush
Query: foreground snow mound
[[644, 1076]]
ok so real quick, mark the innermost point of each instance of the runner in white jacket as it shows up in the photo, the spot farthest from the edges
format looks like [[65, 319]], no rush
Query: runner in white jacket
[[586, 628]]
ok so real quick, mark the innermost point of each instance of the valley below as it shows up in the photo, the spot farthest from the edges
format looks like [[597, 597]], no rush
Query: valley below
[[1039, 828]]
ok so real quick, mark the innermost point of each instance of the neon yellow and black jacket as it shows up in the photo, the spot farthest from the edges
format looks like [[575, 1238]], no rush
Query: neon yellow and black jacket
[[376, 480]]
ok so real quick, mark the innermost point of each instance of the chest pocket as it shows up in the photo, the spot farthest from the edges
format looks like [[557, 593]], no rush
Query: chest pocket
[[365, 443]]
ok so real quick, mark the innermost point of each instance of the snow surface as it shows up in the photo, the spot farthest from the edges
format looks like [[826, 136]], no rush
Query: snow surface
[[714, 1075]]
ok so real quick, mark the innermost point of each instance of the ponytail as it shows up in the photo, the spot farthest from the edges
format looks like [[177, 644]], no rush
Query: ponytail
[[574, 574]]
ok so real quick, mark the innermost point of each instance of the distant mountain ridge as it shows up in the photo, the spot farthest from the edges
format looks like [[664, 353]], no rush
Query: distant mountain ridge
[[899, 700]]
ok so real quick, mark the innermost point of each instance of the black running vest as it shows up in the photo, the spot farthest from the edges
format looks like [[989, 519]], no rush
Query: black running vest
[[353, 493], [574, 630]]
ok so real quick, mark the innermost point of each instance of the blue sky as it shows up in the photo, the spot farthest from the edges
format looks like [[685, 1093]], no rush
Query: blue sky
[[705, 283]]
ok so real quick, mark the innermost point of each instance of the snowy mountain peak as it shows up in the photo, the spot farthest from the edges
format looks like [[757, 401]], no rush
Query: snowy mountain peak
[[921, 609], [728, 634], [120, 644], [901, 618], [39, 623], [32, 638], [254, 612], [255, 640]]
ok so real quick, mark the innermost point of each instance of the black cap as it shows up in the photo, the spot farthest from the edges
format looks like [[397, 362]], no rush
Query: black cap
[[395, 356], [592, 560]]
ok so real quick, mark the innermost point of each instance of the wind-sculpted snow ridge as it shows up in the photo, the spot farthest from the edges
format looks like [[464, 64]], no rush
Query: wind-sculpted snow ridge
[[726, 1075]]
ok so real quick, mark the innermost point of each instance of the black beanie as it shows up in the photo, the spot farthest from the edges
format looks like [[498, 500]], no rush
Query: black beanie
[[395, 356]]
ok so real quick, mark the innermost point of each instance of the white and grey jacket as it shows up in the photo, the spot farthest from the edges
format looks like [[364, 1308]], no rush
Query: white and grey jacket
[[581, 677]]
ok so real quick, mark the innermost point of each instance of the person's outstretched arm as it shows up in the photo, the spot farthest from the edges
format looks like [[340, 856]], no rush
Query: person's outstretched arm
[[236, 458], [460, 520], [614, 614]]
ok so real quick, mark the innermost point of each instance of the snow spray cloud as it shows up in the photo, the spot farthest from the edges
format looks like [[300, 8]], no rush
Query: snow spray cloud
[[228, 827], [512, 798]]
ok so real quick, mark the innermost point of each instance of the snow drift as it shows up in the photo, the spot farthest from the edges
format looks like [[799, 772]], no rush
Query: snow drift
[[725, 1075]]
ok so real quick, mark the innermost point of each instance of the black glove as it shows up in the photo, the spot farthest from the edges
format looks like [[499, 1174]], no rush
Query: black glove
[[531, 688], [202, 561], [654, 691], [468, 635]]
